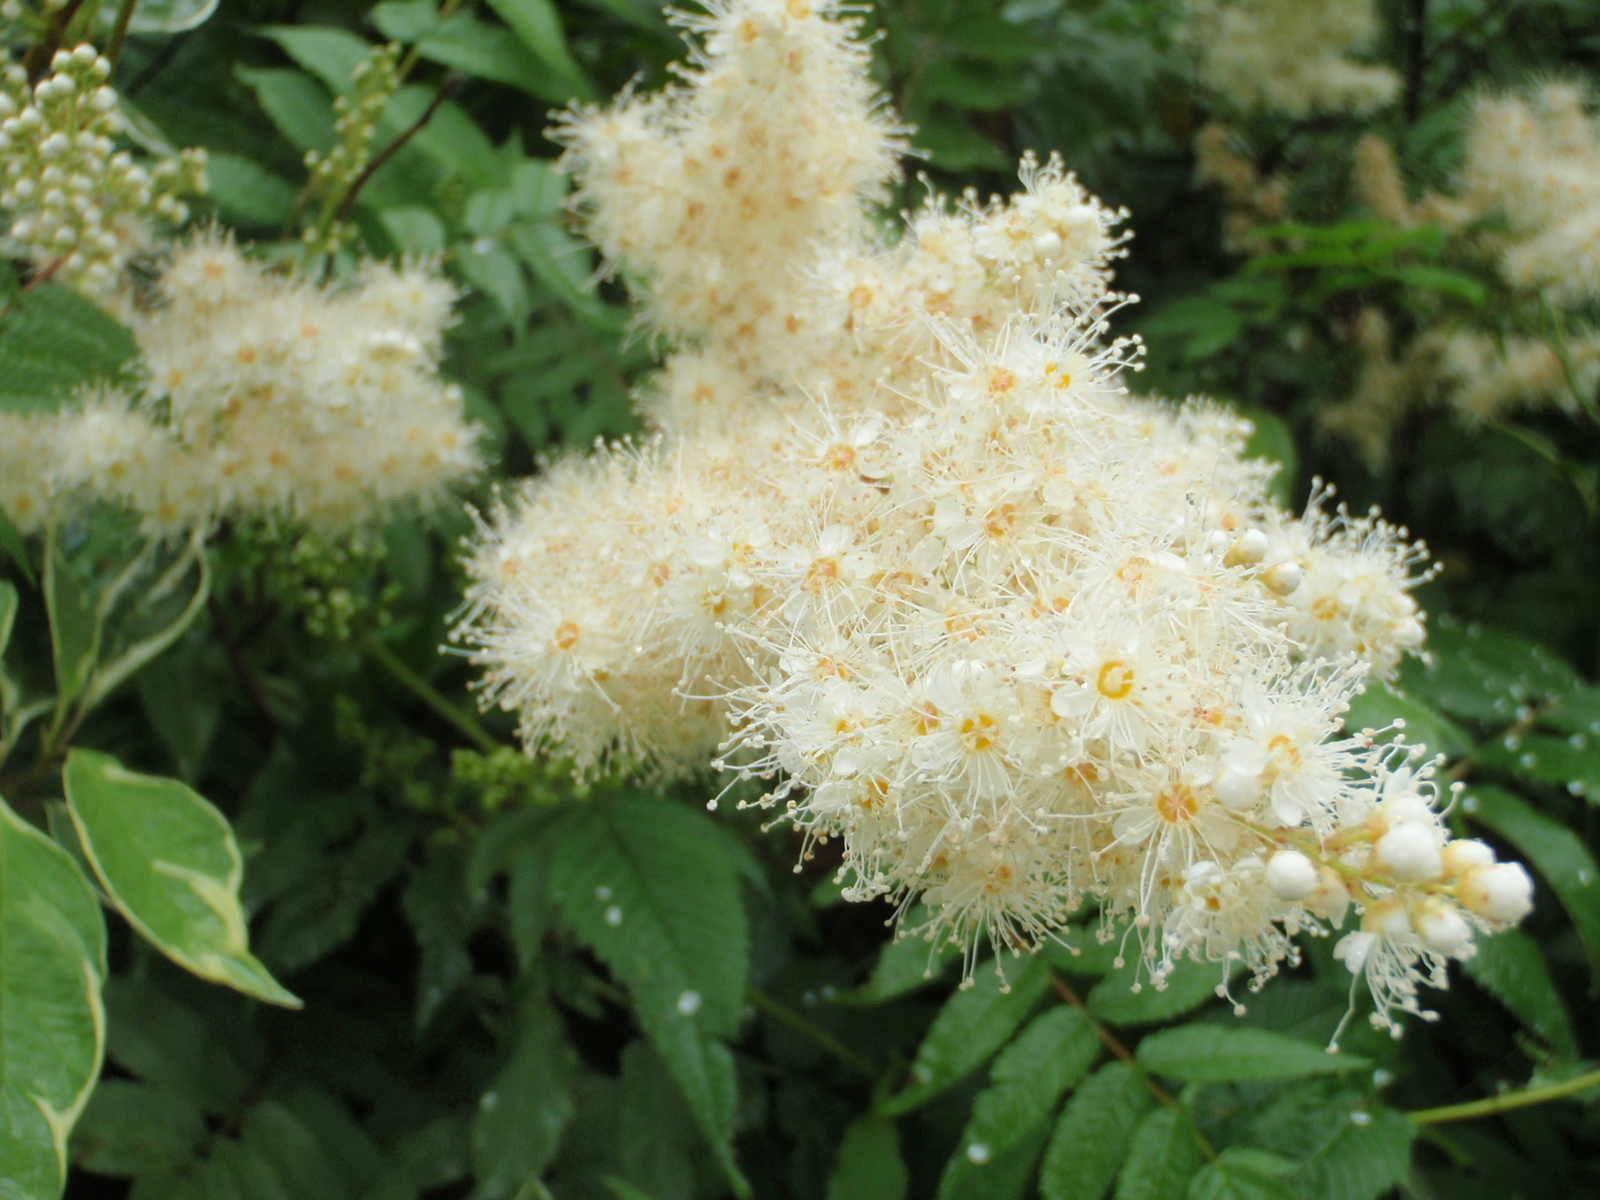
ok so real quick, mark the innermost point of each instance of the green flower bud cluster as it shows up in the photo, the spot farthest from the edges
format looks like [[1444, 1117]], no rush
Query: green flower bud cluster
[[334, 174], [74, 204]]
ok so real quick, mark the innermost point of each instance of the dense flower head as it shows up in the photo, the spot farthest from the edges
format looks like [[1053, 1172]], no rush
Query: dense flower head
[[266, 394], [1289, 55], [76, 206], [1017, 639]]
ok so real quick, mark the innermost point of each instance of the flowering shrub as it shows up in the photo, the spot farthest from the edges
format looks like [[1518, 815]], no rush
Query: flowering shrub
[[565, 647]]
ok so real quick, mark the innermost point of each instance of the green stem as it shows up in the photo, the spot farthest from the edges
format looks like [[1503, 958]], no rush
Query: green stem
[[816, 1033], [463, 721], [119, 31], [1506, 1102]]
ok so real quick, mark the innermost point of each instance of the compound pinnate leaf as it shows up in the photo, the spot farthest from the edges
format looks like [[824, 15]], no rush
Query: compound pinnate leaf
[[1092, 1137], [648, 884], [52, 1020], [1368, 1154], [1554, 850], [1162, 1157], [974, 1023], [517, 1129], [1050, 1056], [869, 1166], [169, 862], [1219, 1054]]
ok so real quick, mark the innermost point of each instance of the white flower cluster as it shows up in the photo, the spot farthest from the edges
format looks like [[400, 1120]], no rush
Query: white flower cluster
[[76, 206], [1535, 160], [1527, 201], [1017, 639], [1289, 55], [266, 395]]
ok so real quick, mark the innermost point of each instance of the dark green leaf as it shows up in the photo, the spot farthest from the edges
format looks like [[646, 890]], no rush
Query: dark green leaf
[[648, 884], [297, 105], [249, 194], [464, 43], [869, 1166], [1553, 850], [519, 1121], [1091, 1139], [1162, 1157], [537, 25], [75, 624], [135, 1129], [1216, 1054], [1001, 1176], [1122, 999], [1380, 705], [442, 919], [1243, 1173], [53, 344], [1510, 966], [1572, 763], [332, 55], [1368, 1155], [975, 1022], [1484, 675]]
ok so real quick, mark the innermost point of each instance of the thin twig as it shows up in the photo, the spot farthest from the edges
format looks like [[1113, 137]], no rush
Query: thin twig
[[463, 721], [1505, 1102], [815, 1032], [448, 88]]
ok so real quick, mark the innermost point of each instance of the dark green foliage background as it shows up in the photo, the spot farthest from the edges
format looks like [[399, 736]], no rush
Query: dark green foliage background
[[477, 1023]]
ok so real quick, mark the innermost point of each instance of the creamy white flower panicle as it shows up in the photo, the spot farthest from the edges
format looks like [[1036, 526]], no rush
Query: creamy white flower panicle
[[1289, 55], [266, 394], [1015, 638]]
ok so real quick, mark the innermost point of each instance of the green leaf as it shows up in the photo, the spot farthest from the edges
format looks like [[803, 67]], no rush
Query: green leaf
[[11, 543], [1223, 1054], [1162, 1157], [1572, 763], [74, 624], [1380, 705], [869, 1166], [53, 344], [974, 1023], [247, 193], [442, 919], [1484, 675], [906, 964], [1122, 999], [1510, 966], [1047, 1058], [538, 27], [517, 1128], [1002, 1176], [1368, 1154], [1092, 1138], [464, 43], [297, 105], [52, 1020], [648, 885], [1243, 1173], [169, 1044], [1576, 712], [8, 613], [1553, 850], [133, 1128], [416, 230], [332, 55], [169, 862], [1439, 279]]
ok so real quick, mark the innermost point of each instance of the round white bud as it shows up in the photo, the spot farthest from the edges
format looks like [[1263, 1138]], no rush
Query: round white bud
[[1250, 547], [1461, 855], [1442, 929], [1500, 892], [1408, 633], [1410, 853], [1235, 790], [1283, 578], [1292, 876]]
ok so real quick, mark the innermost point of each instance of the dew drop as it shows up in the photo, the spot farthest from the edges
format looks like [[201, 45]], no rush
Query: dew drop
[[978, 1154], [613, 916], [1360, 1118], [1470, 804], [1578, 742], [1513, 742], [1577, 787], [1528, 761], [489, 1100], [602, 892], [689, 1003], [1586, 877]]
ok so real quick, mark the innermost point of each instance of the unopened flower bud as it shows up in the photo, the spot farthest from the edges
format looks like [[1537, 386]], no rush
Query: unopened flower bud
[[1235, 790], [1283, 578], [1410, 853], [1442, 929], [1291, 875], [1461, 855], [1500, 892]]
